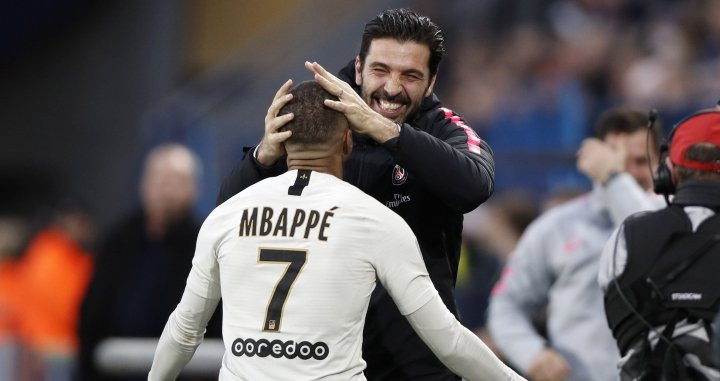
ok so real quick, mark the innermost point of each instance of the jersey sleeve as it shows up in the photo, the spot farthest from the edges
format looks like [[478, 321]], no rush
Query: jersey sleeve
[[399, 265], [458, 348], [204, 278], [455, 165], [185, 327], [181, 336]]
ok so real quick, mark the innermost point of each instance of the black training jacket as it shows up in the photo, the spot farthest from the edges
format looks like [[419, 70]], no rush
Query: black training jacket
[[433, 173]]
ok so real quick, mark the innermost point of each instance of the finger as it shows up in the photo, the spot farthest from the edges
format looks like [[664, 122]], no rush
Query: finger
[[318, 69], [281, 137], [283, 89], [328, 85], [277, 104], [279, 121], [335, 105], [309, 66], [322, 73]]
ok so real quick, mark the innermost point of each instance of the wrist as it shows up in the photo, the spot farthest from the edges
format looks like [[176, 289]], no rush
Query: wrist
[[610, 177], [386, 130], [261, 158]]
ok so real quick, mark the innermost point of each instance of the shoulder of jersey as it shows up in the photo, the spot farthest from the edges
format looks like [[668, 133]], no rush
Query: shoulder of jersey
[[251, 191]]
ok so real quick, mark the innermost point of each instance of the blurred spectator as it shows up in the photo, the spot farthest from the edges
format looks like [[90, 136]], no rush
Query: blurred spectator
[[555, 263], [52, 276], [143, 262], [658, 270], [559, 196], [11, 228]]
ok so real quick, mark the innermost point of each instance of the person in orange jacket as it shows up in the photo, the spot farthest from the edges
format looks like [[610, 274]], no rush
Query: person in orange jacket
[[53, 276]]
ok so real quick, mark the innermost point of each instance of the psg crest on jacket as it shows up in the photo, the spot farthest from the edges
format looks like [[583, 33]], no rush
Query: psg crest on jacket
[[399, 175]]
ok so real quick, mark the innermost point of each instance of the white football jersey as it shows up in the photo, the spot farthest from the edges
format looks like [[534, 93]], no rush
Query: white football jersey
[[295, 258]]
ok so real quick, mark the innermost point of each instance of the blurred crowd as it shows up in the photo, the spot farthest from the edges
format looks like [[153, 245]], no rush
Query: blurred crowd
[[560, 63], [64, 288], [530, 76]]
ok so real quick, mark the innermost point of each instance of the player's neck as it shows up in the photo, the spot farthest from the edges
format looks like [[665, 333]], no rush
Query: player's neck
[[327, 165]]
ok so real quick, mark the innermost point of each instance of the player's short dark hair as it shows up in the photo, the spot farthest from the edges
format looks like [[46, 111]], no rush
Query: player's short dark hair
[[313, 122], [702, 152], [405, 25], [624, 120]]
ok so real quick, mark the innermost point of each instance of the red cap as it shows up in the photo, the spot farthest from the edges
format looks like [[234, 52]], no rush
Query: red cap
[[703, 127]]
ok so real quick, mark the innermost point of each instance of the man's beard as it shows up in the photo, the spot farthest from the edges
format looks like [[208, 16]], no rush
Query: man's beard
[[400, 98]]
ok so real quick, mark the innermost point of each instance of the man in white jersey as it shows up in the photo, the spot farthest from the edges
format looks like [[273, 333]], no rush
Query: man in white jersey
[[295, 259]]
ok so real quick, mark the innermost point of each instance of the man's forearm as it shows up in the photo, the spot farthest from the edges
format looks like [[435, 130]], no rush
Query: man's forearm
[[170, 356], [456, 346], [182, 335]]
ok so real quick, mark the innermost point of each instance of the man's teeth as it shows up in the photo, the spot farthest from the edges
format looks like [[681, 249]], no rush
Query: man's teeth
[[389, 106]]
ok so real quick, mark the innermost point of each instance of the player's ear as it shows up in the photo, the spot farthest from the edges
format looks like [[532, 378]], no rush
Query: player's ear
[[430, 87], [347, 144], [358, 71]]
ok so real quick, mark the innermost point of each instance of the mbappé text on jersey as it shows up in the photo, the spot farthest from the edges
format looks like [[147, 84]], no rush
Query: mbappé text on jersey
[[285, 223]]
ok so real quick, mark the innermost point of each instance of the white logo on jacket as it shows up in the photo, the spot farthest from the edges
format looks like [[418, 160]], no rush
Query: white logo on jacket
[[398, 199]]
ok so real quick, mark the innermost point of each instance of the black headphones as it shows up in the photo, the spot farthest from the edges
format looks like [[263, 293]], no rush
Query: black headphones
[[662, 178]]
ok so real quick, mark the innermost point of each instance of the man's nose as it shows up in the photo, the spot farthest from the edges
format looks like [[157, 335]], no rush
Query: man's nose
[[393, 86]]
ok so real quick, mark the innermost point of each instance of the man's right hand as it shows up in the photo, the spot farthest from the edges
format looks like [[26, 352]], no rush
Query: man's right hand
[[271, 147], [548, 365]]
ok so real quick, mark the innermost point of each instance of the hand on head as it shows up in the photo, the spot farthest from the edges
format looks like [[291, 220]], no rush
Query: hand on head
[[362, 118], [271, 147]]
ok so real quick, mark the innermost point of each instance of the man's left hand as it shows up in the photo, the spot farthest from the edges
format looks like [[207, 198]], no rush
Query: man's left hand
[[598, 159]]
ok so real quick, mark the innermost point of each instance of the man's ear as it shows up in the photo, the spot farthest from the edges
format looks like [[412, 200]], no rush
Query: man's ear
[[347, 144], [358, 71], [430, 87]]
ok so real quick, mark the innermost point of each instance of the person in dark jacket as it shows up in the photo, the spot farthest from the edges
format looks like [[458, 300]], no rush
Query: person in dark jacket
[[143, 262], [413, 155], [658, 270]]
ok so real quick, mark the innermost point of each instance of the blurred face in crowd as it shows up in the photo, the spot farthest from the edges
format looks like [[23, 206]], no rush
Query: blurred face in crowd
[[395, 77], [78, 225], [169, 187], [636, 160]]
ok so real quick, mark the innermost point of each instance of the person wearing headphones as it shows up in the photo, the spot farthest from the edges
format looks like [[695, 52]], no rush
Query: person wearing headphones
[[659, 269], [555, 263]]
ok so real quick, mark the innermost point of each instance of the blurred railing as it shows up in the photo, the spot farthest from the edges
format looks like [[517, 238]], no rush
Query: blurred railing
[[126, 356]]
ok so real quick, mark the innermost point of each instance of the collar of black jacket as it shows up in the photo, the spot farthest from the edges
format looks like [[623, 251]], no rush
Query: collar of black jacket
[[347, 74], [698, 192]]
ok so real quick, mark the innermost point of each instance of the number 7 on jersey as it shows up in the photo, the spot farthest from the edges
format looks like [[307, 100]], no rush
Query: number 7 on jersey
[[295, 260]]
